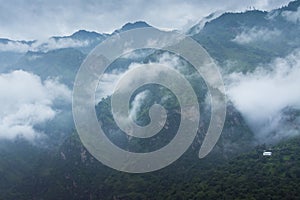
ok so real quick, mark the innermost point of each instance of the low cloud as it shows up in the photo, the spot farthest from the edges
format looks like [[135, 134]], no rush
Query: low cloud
[[25, 102], [107, 84], [26, 19], [256, 34], [62, 43], [46, 45], [292, 16], [137, 103], [12, 46], [199, 26], [264, 96], [108, 81]]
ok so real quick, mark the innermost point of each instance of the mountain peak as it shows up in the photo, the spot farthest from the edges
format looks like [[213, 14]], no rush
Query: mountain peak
[[83, 34], [293, 5], [130, 26], [138, 24]]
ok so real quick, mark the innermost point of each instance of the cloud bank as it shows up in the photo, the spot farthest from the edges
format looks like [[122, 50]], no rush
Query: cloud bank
[[43, 45], [25, 102], [51, 44], [108, 81], [12, 46], [256, 34], [41, 19], [264, 95], [292, 16]]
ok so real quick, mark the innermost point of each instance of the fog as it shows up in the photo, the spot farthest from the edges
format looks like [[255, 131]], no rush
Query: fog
[[26, 102], [264, 96]]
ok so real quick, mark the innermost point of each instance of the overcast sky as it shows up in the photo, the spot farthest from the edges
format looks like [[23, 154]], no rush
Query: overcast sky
[[38, 19]]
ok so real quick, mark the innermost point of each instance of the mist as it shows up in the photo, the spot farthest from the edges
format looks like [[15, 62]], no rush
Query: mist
[[256, 34], [109, 80], [292, 16], [136, 104], [267, 97], [28, 102], [42, 45]]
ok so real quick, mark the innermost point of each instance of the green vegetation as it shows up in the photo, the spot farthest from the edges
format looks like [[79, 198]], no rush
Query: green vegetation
[[235, 169], [73, 174]]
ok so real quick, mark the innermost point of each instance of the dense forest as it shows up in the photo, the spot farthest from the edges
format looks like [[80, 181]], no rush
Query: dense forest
[[59, 167]]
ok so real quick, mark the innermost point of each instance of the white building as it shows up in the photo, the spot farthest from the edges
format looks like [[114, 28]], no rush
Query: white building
[[267, 153]]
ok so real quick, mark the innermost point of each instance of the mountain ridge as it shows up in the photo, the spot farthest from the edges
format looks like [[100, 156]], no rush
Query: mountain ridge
[[235, 169]]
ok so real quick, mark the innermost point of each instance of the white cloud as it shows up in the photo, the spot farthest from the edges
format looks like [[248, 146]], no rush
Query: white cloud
[[108, 81], [51, 44], [42, 19], [137, 103], [107, 84], [256, 34], [43, 45], [292, 16], [12, 46], [261, 96], [199, 26], [26, 101], [137, 54]]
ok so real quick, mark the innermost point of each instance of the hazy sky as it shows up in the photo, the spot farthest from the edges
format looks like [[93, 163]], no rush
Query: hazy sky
[[38, 19]]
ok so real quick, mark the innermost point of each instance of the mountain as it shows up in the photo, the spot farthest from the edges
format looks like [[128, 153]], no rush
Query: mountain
[[292, 6], [250, 38], [86, 35], [61, 63], [6, 41], [199, 26], [86, 40], [130, 26], [81, 40], [28, 55], [72, 173], [10, 51], [249, 176], [235, 169]]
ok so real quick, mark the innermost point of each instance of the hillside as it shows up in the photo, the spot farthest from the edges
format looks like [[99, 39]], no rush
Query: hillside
[[58, 166]]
